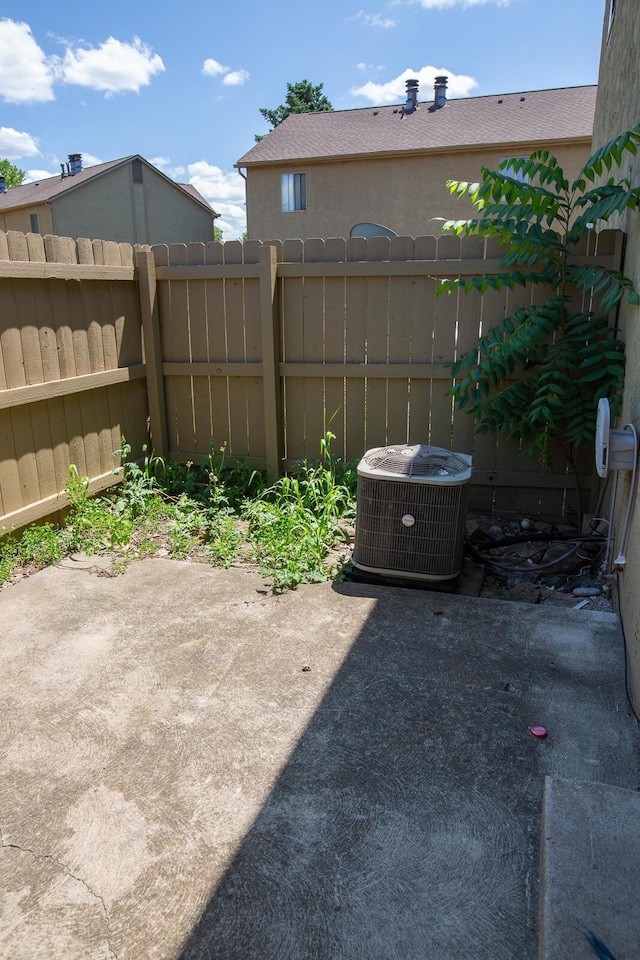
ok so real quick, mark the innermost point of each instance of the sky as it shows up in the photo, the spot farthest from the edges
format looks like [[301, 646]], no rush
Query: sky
[[182, 86]]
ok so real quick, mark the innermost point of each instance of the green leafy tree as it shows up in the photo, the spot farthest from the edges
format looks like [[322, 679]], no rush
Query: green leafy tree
[[302, 97], [13, 176], [539, 373], [217, 234]]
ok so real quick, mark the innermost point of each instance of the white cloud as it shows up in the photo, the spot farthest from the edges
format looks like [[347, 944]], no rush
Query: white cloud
[[224, 190], [164, 164], [15, 144], [394, 90], [34, 176], [113, 67], [372, 20], [367, 67], [89, 160], [236, 78], [433, 4], [211, 68], [26, 73], [229, 230], [230, 78]]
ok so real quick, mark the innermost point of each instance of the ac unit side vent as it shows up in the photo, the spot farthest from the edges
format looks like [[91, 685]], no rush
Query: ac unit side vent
[[430, 546]]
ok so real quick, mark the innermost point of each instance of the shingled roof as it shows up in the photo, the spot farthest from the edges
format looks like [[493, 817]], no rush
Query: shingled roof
[[42, 191], [528, 117]]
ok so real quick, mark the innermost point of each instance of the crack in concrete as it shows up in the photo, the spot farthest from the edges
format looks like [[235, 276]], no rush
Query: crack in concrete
[[63, 866]]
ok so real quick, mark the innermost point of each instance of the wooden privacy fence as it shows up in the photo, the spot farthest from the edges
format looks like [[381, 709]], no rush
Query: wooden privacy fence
[[71, 370], [256, 347]]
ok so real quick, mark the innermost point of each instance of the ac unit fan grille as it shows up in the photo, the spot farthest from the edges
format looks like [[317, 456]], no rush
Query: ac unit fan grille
[[416, 460], [432, 547]]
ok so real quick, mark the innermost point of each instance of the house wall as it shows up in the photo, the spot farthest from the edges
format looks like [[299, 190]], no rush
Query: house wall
[[402, 193], [113, 207], [172, 217], [618, 109], [20, 219]]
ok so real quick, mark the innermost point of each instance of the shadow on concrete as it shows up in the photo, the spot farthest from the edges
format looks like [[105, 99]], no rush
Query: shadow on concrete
[[405, 823]]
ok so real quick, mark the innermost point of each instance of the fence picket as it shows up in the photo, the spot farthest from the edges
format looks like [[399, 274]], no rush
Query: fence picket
[[199, 350], [334, 346], [236, 351], [292, 310]]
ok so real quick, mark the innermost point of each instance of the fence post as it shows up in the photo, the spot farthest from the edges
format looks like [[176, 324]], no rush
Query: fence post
[[147, 293], [273, 427]]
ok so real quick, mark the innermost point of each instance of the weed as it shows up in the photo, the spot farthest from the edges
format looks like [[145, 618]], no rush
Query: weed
[[93, 524], [148, 548], [187, 527], [223, 542], [295, 522], [230, 485], [204, 511], [38, 547], [140, 482]]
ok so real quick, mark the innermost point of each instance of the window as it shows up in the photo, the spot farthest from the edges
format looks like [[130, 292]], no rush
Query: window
[[515, 174], [294, 191], [35, 222]]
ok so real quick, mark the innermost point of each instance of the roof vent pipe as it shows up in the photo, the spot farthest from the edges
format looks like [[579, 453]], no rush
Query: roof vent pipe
[[3, 184], [440, 92], [412, 96], [75, 163]]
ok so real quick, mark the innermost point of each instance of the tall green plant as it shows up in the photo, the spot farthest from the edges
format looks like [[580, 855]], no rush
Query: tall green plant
[[564, 359]]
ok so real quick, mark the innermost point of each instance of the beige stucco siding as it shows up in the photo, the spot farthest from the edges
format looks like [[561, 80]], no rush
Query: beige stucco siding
[[104, 203], [21, 219], [402, 193], [113, 207], [170, 214], [618, 109]]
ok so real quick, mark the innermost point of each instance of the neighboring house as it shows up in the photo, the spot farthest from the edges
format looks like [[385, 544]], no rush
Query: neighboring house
[[126, 200], [618, 109], [320, 174]]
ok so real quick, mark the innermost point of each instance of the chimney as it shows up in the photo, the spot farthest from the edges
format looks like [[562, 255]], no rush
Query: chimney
[[412, 97], [3, 184], [440, 92], [75, 163]]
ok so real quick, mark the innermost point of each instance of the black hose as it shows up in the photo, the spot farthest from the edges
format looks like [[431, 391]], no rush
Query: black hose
[[536, 537], [477, 550]]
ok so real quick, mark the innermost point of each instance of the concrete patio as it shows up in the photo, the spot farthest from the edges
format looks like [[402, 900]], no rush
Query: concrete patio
[[193, 767]]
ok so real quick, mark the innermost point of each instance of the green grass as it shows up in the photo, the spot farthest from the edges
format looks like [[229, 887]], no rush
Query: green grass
[[219, 512]]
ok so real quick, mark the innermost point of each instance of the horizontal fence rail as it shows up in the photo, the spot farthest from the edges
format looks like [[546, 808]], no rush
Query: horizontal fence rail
[[257, 348]]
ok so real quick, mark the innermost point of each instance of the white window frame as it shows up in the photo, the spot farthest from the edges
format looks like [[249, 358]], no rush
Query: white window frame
[[34, 221], [293, 192]]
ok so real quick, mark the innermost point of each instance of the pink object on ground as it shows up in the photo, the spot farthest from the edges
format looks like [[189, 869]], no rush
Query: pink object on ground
[[538, 732]]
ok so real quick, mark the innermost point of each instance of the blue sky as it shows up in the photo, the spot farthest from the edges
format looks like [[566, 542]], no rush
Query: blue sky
[[182, 84]]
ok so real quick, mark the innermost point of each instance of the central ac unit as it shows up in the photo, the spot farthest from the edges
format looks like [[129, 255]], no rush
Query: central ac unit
[[411, 511]]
